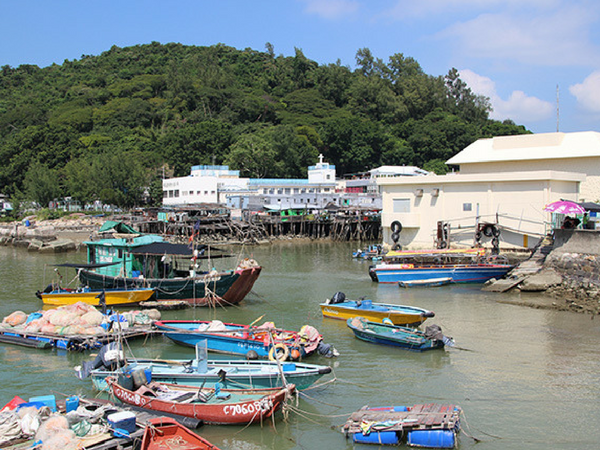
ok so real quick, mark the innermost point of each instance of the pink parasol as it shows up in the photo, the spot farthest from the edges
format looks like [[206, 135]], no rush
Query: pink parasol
[[565, 207]]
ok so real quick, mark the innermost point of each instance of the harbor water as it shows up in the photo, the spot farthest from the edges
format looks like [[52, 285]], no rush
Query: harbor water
[[525, 378]]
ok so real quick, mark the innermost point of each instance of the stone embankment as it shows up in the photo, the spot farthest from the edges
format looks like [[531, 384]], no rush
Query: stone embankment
[[569, 274], [52, 236]]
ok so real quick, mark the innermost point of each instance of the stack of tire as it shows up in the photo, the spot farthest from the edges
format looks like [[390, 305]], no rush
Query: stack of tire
[[396, 228]]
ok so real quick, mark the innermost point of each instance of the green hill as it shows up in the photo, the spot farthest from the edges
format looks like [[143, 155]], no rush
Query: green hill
[[106, 127]]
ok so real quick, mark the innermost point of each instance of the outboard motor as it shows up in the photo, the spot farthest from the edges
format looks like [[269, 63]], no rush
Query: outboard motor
[[338, 297]]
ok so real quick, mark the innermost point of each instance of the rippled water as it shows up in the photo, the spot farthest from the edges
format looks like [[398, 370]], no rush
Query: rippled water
[[525, 378]]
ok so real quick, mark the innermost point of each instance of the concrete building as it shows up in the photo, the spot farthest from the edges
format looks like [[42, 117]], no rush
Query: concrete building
[[504, 180]]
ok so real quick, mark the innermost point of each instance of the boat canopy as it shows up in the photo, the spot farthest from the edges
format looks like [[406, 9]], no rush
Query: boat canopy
[[118, 227], [165, 248]]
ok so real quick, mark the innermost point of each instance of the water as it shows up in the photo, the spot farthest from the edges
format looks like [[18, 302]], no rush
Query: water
[[525, 378]]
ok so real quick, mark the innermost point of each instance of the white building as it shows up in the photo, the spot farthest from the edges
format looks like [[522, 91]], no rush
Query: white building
[[507, 180]]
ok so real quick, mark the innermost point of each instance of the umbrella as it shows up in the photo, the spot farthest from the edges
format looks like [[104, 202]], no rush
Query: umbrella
[[565, 207]]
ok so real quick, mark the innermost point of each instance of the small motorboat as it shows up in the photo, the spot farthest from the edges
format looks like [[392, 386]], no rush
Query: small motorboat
[[235, 339], [339, 308], [372, 252], [403, 337], [428, 425], [232, 374], [210, 405], [162, 432], [432, 282], [110, 297]]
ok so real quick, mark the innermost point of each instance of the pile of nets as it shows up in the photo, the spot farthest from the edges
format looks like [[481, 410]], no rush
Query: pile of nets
[[76, 319], [53, 430]]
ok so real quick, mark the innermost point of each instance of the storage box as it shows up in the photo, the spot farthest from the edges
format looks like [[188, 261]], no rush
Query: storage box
[[124, 420], [47, 400]]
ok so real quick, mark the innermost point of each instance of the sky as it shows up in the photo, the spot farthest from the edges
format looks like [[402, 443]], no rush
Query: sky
[[537, 60]]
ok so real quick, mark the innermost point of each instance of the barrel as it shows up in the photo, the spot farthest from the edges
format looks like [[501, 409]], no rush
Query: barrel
[[377, 437], [431, 438]]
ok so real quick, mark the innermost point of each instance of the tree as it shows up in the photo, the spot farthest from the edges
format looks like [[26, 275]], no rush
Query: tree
[[42, 184]]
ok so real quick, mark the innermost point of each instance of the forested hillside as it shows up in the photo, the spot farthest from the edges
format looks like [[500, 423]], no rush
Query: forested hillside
[[106, 127]]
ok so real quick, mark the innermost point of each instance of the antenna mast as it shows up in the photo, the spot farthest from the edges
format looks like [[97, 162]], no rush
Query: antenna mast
[[557, 109]]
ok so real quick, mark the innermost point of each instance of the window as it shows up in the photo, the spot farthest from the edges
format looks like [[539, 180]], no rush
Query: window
[[176, 193], [467, 207], [401, 205], [165, 194]]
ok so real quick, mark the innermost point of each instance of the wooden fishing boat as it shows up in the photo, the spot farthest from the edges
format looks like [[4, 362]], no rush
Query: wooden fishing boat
[[403, 337], [162, 432], [211, 405], [112, 297], [460, 265], [339, 308], [237, 339], [432, 282], [233, 374], [428, 425], [134, 260]]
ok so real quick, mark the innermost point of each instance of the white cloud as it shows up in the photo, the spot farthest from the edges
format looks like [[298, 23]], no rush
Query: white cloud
[[331, 9], [411, 8], [556, 39], [588, 92], [519, 107]]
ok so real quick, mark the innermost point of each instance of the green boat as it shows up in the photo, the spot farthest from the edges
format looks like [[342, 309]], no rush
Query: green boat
[[132, 261], [403, 337]]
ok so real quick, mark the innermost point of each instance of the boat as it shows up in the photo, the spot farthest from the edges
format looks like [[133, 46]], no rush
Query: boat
[[426, 425], [233, 374], [173, 270], [236, 339], [372, 252], [403, 337], [213, 406], [162, 432], [460, 265], [432, 282], [112, 297], [339, 308]]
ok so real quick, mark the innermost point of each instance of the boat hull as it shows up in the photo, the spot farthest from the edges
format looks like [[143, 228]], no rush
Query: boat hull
[[432, 282], [228, 288], [398, 314], [476, 273], [247, 407], [234, 340], [232, 374], [162, 432], [402, 337], [111, 297]]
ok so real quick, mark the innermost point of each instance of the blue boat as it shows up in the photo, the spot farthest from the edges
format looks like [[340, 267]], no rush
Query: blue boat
[[403, 337], [427, 425], [471, 265], [235, 339]]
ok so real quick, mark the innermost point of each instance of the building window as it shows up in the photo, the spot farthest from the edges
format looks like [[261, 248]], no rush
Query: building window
[[401, 205], [212, 192], [176, 193], [165, 194], [287, 191], [467, 207]]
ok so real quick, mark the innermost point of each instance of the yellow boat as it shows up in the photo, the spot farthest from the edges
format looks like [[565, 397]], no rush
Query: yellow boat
[[375, 312], [112, 297]]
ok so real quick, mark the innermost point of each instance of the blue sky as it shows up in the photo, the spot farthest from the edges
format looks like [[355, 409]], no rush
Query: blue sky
[[517, 52]]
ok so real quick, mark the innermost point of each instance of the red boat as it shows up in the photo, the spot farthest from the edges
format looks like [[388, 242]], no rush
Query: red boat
[[163, 433], [212, 406]]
